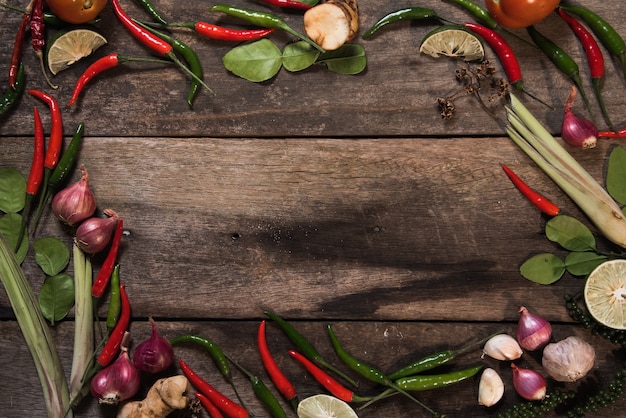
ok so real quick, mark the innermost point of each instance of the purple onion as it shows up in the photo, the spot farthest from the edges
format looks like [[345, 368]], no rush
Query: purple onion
[[117, 382], [154, 354]]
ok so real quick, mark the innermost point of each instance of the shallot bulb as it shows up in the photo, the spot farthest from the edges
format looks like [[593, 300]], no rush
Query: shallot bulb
[[533, 331], [94, 234], [568, 360], [576, 131], [528, 383], [76, 202], [117, 382], [154, 354]]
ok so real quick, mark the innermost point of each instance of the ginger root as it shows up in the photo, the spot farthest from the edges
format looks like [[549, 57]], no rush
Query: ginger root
[[332, 23], [164, 396]]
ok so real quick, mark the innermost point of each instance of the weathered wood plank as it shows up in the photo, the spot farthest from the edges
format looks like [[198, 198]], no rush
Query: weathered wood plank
[[383, 229], [387, 345], [395, 96]]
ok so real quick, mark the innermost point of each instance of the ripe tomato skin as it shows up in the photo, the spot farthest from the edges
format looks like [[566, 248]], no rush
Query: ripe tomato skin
[[76, 11], [520, 13]]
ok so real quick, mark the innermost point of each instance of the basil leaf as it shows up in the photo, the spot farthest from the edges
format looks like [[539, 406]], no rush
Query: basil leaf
[[10, 224], [581, 263], [616, 175], [51, 254], [570, 233], [298, 56], [347, 59], [543, 268], [256, 61], [56, 297], [12, 190]]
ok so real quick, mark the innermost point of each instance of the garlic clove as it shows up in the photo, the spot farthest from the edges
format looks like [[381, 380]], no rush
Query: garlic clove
[[490, 388], [503, 347], [568, 360]]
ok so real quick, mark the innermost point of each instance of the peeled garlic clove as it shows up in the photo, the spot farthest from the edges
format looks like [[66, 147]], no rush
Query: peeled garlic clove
[[490, 388], [568, 360], [503, 347]]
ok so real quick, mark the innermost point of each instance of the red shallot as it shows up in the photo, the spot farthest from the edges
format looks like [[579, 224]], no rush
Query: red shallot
[[533, 331], [576, 131], [94, 234], [154, 354], [528, 383], [75, 203], [117, 382]]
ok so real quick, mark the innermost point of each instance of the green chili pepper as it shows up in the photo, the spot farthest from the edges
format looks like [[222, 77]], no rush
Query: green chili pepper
[[149, 7], [609, 37], [306, 348], [435, 360], [115, 299], [263, 19], [369, 372], [191, 58], [216, 353], [68, 158], [407, 13], [262, 392], [560, 59], [9, 99], [481, 14], [428, 382]]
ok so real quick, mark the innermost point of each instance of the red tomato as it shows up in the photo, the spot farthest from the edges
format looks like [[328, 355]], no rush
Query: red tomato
[[76, 11], [520, 13]]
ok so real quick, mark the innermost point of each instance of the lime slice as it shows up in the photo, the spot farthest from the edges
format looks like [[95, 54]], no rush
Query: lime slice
[[69, 46], [324, 406], [452, 41], [605, 294]]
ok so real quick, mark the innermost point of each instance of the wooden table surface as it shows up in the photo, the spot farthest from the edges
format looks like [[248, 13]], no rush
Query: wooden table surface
[[327, 198]]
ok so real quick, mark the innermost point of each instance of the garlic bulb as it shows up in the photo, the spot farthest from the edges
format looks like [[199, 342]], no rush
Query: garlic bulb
[[503, 347], [568, 360], [490, 388]]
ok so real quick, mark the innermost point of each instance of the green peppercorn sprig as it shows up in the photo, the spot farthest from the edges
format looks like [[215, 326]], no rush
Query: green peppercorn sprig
[[581, 316], [529, 409]]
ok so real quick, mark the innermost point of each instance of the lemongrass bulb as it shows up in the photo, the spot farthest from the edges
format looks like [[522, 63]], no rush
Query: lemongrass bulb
[[568, 360], [503, 347], [490, 388]]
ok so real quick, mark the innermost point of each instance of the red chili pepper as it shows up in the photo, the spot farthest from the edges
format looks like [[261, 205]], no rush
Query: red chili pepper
[[505, 54], [612, 134], [537, 199], [208, 405], [100, 65], [112, 346], [17, 50], [37, 26], [228, 407], [147, 38], [227, 34], [56, 129], [324, 379], [595, 59], [284, 386], [288, 4], [36, 168], [102, 279]]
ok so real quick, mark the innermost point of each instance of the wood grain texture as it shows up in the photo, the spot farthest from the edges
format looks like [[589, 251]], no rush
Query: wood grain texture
[[327, 198]]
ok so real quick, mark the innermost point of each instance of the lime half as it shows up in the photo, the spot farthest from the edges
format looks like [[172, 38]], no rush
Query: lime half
[[453, 41], [69, 46], [324, 406], [605, 294]]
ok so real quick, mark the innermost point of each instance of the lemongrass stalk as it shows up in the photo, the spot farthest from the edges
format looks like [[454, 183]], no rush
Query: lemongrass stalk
[[82, 358], [36, 334], [528, 133]]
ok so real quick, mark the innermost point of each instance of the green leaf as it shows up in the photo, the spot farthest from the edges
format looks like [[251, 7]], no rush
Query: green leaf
[[581, 263], [256, 61], [298, 56], [10, 228], [347, 59], [56, 297], [12, 190], [51, 254], [570, 234], [616, 175], [543, 268]]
